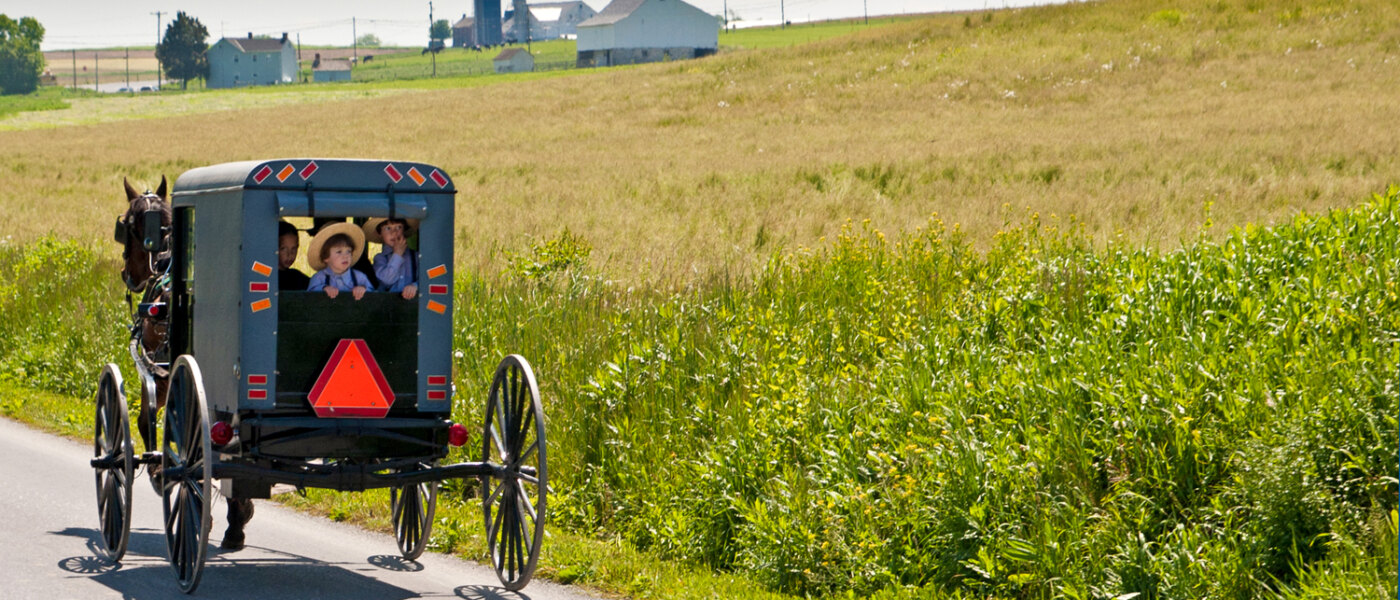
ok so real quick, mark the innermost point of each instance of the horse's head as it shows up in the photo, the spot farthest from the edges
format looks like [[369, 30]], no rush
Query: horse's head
[[144, 232]]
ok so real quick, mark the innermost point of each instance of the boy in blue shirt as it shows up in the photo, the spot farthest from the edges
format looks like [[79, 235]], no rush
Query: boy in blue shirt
[[396, 265], [336, 247]]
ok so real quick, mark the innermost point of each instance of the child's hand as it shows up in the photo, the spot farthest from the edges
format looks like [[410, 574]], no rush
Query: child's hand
[[400, 246], [409, 291], [359, 292], [332, 291]]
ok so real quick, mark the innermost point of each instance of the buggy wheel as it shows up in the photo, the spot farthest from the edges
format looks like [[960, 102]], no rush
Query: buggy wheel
[[412, 508], [513, 497], [114, 460], [187, 470]]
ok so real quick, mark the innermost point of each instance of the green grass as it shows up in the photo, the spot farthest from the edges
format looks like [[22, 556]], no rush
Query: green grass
[[907, 416], [803, 33], [44, 99]]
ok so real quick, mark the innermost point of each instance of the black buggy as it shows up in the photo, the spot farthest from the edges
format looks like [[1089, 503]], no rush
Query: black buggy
[[270, 386]]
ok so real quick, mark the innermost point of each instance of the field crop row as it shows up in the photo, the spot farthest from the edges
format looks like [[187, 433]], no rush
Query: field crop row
[[910, 416]]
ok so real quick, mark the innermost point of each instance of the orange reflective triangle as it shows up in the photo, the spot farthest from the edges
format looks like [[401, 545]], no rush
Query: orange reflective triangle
[[351, 385]]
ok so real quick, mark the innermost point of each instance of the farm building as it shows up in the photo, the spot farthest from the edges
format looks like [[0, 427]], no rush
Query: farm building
[[486, 18], [514, 60], [332, 70], [638, 31], [553, 20], [464, 33], [235, 62]]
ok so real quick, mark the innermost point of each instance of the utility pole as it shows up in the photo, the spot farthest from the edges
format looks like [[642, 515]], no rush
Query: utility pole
[[95, 76], [158, 69], [726, 15], [128, 69], [431, 50], [356, 42], [75, 68], [866, 3], [782, 13]]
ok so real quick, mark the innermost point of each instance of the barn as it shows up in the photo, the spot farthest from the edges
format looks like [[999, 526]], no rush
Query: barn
[[514, 60], [638, 31], [464, 33], [553, 20], [235, 62]]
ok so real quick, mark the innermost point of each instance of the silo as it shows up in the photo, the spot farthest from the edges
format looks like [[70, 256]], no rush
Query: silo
[[488, 22]]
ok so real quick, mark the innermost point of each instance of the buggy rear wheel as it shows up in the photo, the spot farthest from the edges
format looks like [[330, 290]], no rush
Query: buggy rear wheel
[[411, 511], [114, 460], [513, 498], [187, 470]]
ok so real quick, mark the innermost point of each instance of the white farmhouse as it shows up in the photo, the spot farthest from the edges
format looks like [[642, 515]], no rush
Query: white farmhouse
[[235, 62], [637, 31]]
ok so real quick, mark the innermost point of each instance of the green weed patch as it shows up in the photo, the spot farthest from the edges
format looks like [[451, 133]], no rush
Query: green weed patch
[[907, 416]]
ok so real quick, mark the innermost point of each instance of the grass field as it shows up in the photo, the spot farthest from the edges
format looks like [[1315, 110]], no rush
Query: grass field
[[1088, 301]]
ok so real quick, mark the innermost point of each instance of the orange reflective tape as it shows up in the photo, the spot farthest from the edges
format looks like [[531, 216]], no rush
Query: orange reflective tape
[[261, 269], [437, 307], [418, 178], [285, 172], [261, 305], [437, 271]]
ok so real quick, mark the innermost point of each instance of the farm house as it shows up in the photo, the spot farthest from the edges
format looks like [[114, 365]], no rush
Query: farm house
[[552, 20], [638, 31], [235, 62]]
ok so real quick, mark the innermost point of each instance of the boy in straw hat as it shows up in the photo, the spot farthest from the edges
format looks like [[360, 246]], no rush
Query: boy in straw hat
[[336, 247], [396, 265]]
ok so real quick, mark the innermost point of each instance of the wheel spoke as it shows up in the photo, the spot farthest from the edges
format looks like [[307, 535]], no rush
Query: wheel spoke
[[525, 456], [523, 497]]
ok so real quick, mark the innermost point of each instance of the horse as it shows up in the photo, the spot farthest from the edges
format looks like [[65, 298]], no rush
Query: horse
[[144, 232]]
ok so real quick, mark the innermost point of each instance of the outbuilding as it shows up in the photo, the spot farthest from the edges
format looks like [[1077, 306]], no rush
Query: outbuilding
[[332, 70], [639, 31], [464, 33], [514, 60], [235, 62]]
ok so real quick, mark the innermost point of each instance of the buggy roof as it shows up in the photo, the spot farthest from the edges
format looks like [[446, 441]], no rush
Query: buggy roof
[[328, 174]]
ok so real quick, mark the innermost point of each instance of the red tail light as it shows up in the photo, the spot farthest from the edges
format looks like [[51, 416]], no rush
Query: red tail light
[[221, 433], [457, 434]]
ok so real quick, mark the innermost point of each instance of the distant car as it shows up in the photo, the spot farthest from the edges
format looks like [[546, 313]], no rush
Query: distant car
[[125, 89], [145, 88]]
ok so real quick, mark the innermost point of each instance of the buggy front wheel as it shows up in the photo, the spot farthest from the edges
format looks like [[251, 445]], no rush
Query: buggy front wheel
[[513, 497], [187, 470], [411, 510], [114, 460]]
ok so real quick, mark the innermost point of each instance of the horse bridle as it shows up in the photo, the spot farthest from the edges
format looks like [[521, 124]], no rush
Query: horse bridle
[[126, 233]]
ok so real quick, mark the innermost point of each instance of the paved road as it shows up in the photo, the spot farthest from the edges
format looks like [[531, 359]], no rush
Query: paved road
[[48, 520]]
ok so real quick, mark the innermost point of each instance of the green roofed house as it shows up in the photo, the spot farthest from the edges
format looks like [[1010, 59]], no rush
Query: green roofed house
[[235, 62]]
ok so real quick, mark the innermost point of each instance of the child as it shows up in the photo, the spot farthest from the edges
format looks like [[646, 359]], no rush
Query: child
[[336, 247], [289, 279], [396, 266]]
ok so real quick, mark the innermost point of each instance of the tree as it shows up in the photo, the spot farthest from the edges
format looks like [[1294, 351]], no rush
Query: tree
[[368, 40], [21, 62], [440, 30], [182, 52]]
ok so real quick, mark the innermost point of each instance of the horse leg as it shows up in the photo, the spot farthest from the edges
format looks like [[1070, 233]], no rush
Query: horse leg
[[240, 511]]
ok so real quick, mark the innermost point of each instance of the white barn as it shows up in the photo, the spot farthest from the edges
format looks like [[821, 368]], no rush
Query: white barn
[[638, 31], [235, 62]]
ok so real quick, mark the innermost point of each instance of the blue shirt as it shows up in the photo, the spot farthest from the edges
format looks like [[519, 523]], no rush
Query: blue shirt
[[344, 282], [396, 272]]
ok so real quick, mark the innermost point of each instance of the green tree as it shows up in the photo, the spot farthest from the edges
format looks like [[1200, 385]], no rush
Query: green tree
[[440, 30], [182, 51], [368, 40], [21, 62]]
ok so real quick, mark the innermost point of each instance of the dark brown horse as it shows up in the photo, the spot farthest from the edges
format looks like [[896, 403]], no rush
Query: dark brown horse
[[144, 232]]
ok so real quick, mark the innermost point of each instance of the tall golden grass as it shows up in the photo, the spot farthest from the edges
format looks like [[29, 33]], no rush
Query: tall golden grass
[[1139, 122]]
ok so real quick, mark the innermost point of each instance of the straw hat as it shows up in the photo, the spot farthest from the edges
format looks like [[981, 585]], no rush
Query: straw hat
[[357, 238], [371, 229]]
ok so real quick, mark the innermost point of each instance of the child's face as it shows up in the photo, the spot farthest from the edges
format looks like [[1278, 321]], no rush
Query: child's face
[[392, 234], [339, 258], [287, 250]]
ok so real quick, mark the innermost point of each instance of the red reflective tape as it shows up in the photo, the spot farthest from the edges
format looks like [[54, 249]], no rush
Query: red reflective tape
[[393, 173], [262, 174], [257, 380], [286, 172], [437, 288], [307, 170], [257, 394], [438, 178], [437, 395], [257, 286], [437, 380]]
